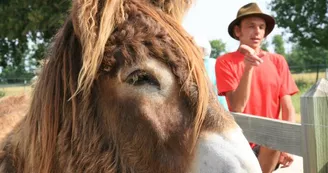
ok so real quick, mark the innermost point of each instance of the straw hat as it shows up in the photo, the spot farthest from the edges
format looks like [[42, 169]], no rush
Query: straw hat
[[251, 9]]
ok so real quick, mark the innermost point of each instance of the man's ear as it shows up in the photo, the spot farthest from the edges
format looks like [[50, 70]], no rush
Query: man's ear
[[236, 31]]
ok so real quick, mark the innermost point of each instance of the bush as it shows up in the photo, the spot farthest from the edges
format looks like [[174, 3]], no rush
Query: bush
[[303, 84], [2, 94]]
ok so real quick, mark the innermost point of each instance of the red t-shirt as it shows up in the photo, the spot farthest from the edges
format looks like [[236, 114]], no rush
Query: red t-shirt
[[270, 81]]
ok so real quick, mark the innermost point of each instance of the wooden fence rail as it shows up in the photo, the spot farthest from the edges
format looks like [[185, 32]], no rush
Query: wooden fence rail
[[308, 139], [280, 135]]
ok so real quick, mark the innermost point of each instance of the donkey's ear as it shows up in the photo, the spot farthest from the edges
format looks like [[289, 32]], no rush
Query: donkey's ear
[[84, 17], [74, 15], [175, 8]]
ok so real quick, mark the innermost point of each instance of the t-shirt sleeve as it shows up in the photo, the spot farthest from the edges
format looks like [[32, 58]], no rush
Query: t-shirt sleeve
[[288, 85], [225, 79]]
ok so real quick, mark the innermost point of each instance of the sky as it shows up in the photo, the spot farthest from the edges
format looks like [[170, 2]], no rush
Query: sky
[[210, 19]]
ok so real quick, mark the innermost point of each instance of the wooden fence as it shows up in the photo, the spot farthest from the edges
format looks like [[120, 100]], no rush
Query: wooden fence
[[308, 139]]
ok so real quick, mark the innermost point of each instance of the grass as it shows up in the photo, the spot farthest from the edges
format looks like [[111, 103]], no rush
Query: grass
[[2, 94], [303, 86], [304, 81], [13, 90], [308, 77]]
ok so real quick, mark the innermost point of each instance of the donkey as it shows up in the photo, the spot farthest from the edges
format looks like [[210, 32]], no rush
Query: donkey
[[124, 90]]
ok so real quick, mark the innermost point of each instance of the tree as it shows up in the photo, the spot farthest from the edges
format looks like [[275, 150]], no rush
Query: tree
[[15, 74], [26, 23], [307, 59], [307, 20], [265, 45], [218, 47], [278, 43]]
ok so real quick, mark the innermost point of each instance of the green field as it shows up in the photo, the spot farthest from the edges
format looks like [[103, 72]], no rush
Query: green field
[[304, 82], [13, 90], [308, 77], [297, 99]]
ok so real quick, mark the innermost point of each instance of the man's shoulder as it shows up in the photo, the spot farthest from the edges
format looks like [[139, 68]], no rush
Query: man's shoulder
[[276, 58], [230, 56], [274, 55]]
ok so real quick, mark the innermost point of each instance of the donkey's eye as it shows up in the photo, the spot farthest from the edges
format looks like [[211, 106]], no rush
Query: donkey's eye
[[139, 77]]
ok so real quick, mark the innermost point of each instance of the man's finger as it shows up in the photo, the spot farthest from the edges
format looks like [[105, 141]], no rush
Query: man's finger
[[284, 166], [261, 54], [290, 162], [286, 160], [255, 57], [246, 50], [252, 62], [281, 158], [287, 164]]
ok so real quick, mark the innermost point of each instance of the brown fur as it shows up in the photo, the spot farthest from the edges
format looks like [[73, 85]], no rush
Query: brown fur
[[80, 119]]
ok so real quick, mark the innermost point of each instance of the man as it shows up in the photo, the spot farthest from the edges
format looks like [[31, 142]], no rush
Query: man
[[257, 82], [209, 63]]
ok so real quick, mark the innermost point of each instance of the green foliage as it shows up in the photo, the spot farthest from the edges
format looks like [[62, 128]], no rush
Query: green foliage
[[303, 86], [307, 57], [28, 24], [2, 94], [307, 20], [15, 74], [278, 43], [218, 47], [265, 45]]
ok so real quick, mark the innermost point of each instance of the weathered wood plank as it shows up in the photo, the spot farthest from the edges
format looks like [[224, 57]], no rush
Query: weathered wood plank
[[314, 112], [275, 134]]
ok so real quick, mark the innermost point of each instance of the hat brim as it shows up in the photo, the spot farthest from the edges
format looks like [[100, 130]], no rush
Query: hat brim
[[270, 23]]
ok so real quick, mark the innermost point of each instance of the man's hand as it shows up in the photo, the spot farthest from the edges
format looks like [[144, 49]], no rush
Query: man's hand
[[286, 159], [251, 59]]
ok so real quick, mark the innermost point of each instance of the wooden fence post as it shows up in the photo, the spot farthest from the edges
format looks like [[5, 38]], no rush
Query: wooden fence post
[[314, 112]]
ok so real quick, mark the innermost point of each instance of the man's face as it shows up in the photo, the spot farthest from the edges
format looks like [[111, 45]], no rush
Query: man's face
[[251, 31]]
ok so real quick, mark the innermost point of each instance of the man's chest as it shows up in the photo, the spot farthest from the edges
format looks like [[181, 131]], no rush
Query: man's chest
[[265, 76]]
